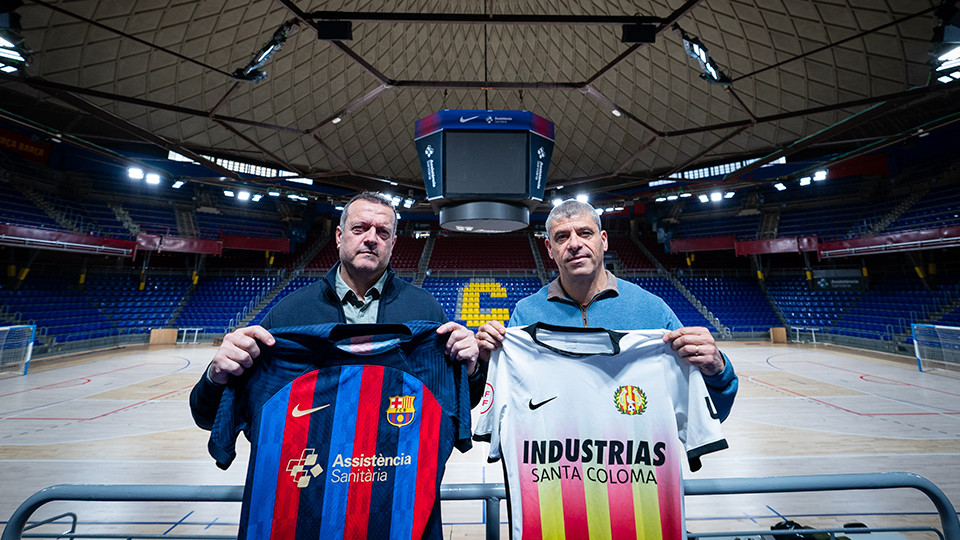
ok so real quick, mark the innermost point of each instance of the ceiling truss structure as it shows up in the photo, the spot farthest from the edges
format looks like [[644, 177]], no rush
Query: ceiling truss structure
[[624, 173]]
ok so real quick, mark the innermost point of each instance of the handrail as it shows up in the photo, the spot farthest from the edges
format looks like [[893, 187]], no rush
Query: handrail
[[493, 493]]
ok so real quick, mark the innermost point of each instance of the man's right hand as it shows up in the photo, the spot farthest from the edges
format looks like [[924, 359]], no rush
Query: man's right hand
[[490, 338], [237, 352]]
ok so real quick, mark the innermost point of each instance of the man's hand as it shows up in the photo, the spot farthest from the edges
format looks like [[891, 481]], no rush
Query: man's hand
[[461, 345], [490, 338], [697, 346], [237, 352]]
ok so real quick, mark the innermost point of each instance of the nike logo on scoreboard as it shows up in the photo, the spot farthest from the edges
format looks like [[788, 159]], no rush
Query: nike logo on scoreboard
[[534, 406], [465, 120], [297, 413]]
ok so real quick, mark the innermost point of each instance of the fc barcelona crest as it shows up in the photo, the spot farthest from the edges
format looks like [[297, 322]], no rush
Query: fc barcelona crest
[[401, 411], [630, 400]]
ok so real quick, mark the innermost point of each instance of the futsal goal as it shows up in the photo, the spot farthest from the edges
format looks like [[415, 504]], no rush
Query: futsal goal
[[937, 347], [16, 347]]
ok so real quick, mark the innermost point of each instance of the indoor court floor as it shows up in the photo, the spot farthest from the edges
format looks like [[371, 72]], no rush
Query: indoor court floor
[[121, 417]]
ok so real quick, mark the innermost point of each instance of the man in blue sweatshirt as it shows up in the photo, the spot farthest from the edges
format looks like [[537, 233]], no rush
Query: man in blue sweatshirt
[[587, 295]]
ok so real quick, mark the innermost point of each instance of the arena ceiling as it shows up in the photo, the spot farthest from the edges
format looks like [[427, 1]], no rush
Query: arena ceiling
[[806, 77]]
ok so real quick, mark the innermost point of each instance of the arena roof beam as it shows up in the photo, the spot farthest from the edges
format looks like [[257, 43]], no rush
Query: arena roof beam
[[138, 131]]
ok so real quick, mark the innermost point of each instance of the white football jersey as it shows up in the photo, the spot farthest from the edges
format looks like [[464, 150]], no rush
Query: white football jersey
[[588, 423]]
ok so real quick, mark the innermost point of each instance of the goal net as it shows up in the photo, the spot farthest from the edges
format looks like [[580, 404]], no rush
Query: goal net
[[16, 346], [937, 347]]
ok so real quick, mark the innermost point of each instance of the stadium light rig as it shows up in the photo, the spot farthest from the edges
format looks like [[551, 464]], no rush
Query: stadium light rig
[[946, 43], [698, 51], [252, 72], [14, 53]]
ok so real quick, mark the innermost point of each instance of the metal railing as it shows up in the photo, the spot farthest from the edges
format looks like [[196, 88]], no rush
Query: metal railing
[[493, 493]]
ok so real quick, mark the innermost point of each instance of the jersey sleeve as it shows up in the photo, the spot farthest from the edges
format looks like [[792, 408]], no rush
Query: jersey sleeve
[[492, 407], [698, 424]]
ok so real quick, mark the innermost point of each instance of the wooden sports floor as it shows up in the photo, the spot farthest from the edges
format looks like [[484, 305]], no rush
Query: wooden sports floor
[[121, 417]]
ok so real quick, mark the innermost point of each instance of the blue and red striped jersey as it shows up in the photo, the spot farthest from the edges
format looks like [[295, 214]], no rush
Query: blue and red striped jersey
[[350, 429]]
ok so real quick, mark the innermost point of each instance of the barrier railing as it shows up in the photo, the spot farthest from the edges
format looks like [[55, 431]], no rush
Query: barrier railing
[[493, 493]]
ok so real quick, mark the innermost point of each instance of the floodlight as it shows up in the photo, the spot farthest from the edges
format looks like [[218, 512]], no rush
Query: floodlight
[[337, 120], [178, 184], [557, 201], [780, 186], [153, 178], [943, 79], [617, 208], [13, 49], [728, 195], [716, 196], [273, 193], [684, 195], [805, 181], [661, 199], [407, 203], [244, 195], [819, 176], [251, 71], [599, 211], [616, 113], [340, 208], [703, 198], [583, 198], [228, 193], [698, 51], [672, 197], [135, 173], [257, 197]]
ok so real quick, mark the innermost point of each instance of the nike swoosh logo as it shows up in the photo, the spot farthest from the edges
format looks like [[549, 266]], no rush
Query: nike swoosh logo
[[297, 413], [465, 120], [535, 406]]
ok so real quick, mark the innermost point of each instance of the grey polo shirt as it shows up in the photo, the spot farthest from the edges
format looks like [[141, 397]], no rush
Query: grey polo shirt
[[356, 310]]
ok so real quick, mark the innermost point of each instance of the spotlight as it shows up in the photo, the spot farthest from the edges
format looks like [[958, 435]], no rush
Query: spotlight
[[153, 178], [251, 71], [945, 54], [780, 186], [14, 53], [136, 173], [695, 49]]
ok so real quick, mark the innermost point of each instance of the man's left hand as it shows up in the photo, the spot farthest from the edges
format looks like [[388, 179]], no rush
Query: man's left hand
[[461, 345], [697, 346]]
